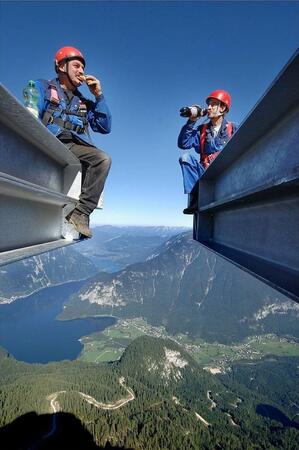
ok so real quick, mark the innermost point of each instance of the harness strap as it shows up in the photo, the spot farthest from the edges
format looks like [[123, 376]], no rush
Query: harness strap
[[54, 102], [81, 114], [48, 114], [207, 159], [203, 135], [53, 94], [48, 117], [229, 129], [67, 125]]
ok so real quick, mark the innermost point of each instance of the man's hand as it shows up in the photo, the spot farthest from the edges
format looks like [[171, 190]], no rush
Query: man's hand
[[94, 85]]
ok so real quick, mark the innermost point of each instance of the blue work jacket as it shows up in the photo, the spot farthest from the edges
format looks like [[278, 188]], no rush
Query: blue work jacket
[[189, 137], [97, 112]]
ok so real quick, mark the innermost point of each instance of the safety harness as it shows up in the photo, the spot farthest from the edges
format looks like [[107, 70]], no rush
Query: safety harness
[[50, 115], [207, 159]]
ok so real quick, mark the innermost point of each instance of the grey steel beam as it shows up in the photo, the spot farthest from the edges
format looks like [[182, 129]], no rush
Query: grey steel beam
[[23, 124], [37, 173], [27, 252], [248, 210]]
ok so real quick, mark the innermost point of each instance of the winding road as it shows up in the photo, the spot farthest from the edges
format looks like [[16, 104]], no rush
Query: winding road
[[118, 404], [55, 407]]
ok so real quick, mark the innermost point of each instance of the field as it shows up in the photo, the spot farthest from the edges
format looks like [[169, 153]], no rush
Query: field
[[277, 347], [99, 351], [210, 354], [253, 348], [110, 344]]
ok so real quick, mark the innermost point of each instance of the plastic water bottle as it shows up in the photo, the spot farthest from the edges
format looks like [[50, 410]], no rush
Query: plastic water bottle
[[31, 95]]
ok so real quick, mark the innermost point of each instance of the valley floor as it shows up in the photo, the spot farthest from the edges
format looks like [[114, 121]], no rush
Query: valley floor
[[110, 344]]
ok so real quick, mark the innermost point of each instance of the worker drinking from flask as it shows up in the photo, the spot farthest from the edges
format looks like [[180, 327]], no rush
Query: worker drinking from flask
[[207, 139]]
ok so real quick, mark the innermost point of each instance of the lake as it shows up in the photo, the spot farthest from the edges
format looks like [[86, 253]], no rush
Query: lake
[[29, 331]]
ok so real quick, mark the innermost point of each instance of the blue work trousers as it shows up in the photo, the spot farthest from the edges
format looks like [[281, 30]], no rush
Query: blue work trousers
[[192, 170]]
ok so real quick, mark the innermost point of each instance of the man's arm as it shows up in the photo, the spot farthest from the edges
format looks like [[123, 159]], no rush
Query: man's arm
[[99, 116], [188, 136]]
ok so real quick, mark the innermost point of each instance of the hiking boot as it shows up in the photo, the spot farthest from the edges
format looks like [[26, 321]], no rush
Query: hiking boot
[[192, 207], [80, 222], [190, 210]]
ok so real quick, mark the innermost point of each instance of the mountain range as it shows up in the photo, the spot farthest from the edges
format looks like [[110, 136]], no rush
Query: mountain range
[[188, 289], [156, 396], [25, 277], [112, 247]]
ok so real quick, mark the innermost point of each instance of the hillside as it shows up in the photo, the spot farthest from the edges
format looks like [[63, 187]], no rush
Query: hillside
[[188, 289], [22, 278], [156, 397]]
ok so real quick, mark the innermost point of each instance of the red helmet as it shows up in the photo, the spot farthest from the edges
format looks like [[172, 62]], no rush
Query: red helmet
[[222, 96], [67, 54]]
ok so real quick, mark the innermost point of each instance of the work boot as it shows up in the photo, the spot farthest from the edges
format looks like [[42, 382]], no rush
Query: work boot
[[192, 207], [80, 222]]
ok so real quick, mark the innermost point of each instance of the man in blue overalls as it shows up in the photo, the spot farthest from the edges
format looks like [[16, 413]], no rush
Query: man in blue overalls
[[207, 140], [68, 115]]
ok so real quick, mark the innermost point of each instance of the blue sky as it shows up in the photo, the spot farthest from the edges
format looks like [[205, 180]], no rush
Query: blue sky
[[152, 58]]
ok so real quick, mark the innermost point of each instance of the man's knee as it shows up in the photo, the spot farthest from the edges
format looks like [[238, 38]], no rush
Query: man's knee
[[102, 158], [105, 163], [107, 160], [185, 158]]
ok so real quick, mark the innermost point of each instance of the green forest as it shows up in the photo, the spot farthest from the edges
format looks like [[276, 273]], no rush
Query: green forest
[[156, 397]]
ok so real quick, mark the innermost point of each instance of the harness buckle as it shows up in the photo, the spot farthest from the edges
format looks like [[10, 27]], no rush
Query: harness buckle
[[68, 126], [78, 129]]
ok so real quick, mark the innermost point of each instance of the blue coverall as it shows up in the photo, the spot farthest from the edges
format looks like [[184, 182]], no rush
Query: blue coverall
[[189, 138]]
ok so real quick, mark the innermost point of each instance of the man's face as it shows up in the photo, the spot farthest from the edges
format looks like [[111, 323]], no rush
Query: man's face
[[75, 71], [215, 108]]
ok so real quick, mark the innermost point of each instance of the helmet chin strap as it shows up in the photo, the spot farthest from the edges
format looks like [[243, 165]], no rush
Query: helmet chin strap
[[220, 113]]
